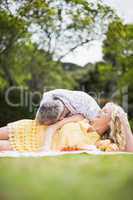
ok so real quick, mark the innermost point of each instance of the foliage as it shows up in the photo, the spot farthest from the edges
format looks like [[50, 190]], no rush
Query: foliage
[[12, 30], [55, 26], [36, 36], [65, 25], [114, 74], [12, 113], [38, 71], [118, 50]]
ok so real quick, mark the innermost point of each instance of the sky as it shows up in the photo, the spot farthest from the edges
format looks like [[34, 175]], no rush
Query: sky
[[83, 55]]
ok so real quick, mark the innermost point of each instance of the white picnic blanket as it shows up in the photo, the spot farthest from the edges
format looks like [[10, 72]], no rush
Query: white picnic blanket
[[92, 150]]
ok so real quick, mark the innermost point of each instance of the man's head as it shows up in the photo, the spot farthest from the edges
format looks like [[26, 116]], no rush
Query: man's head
[[51, 111], [59, 103]]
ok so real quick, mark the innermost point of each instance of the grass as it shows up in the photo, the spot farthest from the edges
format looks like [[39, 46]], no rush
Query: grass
[[67, 177]]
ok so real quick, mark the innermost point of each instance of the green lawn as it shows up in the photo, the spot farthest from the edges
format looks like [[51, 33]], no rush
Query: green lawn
[[67, 177]]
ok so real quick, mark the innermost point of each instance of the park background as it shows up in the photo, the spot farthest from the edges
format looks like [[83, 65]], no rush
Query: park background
[[38, 41], [72, 44]]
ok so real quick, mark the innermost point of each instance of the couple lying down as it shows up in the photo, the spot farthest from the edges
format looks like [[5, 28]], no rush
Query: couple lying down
[[109, 131]]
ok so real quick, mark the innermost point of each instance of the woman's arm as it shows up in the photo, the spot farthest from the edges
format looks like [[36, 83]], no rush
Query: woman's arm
[[4, 136], [4, 133], [5, 145]]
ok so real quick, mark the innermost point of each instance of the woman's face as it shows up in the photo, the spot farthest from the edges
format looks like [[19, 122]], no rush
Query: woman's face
[[101, 122]]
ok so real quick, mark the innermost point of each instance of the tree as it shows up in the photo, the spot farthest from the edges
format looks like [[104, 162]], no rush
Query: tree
[[115, 73], [63, 26], [118, 51], [12, 30], [60, 26], [35, 69]]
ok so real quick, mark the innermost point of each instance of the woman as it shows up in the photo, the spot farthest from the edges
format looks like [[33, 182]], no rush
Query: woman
[[110, 117]]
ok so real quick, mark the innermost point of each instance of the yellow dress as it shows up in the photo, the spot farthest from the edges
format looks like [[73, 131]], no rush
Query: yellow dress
[[74, 134], [27, 136]]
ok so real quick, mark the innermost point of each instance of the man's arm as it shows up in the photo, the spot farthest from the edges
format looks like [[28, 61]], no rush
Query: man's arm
[[74, 118]]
